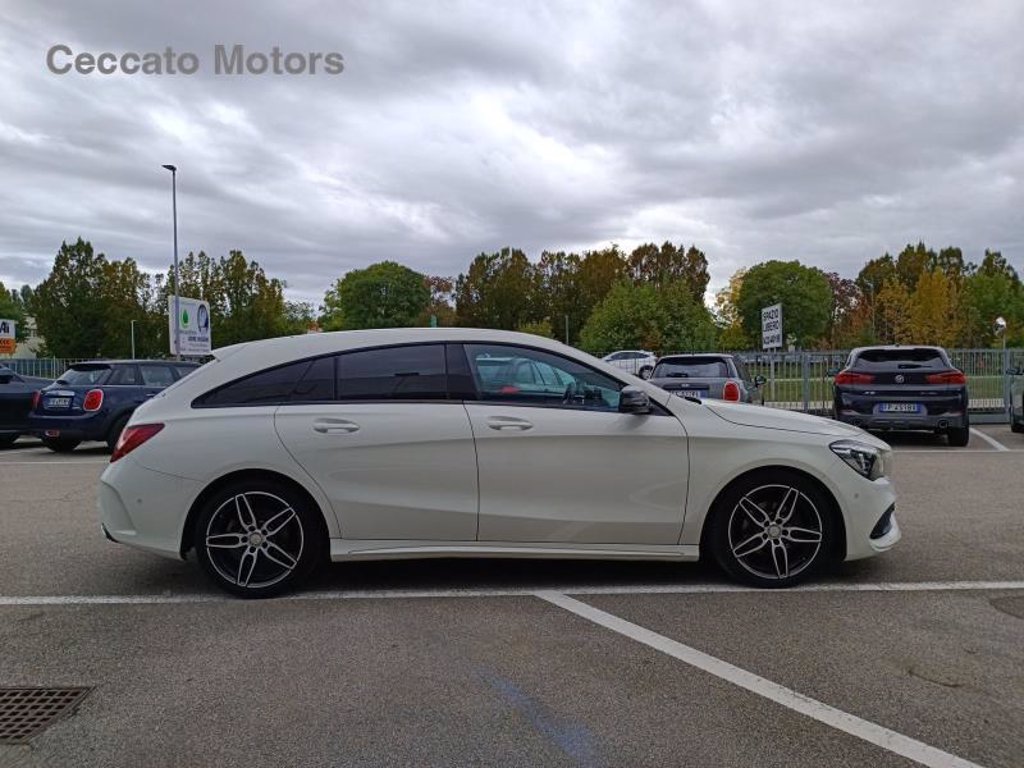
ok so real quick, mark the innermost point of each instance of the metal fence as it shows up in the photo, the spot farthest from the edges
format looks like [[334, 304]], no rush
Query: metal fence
[[802, 381], [43, 367]]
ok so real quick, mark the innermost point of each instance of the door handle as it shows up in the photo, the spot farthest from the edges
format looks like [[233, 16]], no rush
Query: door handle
[[508, 423], [325, 426]]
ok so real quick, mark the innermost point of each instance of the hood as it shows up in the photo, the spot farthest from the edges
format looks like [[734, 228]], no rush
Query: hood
[[776, 418]]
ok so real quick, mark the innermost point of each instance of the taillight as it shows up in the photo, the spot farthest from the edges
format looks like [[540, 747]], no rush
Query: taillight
[[849, 377], [731, 391], [36, 397], [93, 400], [950, 377], [132, 437]]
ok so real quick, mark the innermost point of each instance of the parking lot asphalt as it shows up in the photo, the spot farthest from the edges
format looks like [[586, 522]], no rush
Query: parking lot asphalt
[[913, 657]]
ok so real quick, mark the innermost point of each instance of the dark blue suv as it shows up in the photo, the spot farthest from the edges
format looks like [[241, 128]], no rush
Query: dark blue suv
[[93, 401]]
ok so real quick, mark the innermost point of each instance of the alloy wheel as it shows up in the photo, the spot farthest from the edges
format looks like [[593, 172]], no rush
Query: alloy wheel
[[775, 531], [254, 540]]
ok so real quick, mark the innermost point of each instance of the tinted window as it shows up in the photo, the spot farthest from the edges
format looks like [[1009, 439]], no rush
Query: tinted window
[[84, 375], [532, 377], [184, 370], [908, 359], [317, 383], [692, 367], [157, 375], [266, 387], [125, 374], [393, 373]]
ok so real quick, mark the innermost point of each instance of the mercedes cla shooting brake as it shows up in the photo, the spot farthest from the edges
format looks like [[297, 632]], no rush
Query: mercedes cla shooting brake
[[284, 453]]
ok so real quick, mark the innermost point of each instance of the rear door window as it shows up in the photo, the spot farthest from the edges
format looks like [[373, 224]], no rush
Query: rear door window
[[125, 375], [415, 372], [157, 375], [264, 388]]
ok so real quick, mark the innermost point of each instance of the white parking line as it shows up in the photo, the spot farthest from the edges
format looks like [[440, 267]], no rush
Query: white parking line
[[409, 594], [989, 439], [42, 463], [870, 732]]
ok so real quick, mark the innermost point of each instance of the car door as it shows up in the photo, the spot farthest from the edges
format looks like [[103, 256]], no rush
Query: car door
[[565, 466], [155, 378], [393, 454]]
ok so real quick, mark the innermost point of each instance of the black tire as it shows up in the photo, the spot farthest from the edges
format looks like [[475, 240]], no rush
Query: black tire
[[959, 437], [751, 512], [250, 568], [60, 444], [6, 441], [645, 372], [1016, 426], [116, 430]]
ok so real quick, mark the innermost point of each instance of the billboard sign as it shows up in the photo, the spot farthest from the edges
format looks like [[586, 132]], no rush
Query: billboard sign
[[7, 342], [193, 327], [771, 327]]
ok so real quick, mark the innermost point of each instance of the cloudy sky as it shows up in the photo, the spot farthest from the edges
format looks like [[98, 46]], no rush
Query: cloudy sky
[[828, 132]]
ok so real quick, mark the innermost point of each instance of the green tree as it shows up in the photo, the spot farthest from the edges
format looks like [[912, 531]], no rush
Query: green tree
[[384, 295], [663, 319], [669, 264], [254, 304], [561, 292], [69, 304], [598, 272], [804, 293], [992, 290], [727, 315], [500, 290]]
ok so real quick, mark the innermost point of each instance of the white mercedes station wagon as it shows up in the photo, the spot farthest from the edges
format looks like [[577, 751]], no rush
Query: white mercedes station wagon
[[447, 442]]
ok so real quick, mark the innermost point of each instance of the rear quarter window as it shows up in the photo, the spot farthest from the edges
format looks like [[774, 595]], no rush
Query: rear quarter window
[[909, 358]]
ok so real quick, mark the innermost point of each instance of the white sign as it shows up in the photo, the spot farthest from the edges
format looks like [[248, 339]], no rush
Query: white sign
[[771, 327], [7, 329], [193, 326]]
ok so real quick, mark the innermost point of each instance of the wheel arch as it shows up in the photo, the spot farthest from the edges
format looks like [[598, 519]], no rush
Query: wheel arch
[[188, 530], [838, 552]]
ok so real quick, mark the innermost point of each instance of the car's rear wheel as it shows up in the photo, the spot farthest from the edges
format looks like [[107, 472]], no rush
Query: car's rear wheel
[[115, 431], [958, 437], [1017, 426], [60, 444], [771, 529], [258, 538], [6, 441]]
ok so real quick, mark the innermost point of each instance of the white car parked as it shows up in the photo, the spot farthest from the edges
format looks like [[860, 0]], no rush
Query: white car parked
[[639, 362], [434, 442]]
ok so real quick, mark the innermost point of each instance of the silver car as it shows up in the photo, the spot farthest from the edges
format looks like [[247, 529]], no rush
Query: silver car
[[721, 377]]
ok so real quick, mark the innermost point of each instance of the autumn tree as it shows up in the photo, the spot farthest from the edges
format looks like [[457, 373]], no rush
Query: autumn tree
[[441, 304], [499, 290], [649, 263]]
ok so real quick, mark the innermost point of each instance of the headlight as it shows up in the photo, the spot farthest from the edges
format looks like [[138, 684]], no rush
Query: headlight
[[865, 459]]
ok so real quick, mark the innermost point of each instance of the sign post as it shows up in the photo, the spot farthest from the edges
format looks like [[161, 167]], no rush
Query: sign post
[[7, 341], [193, 327], [771, 337]]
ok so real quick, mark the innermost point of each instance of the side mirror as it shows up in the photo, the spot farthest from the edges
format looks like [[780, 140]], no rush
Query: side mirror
[[634, 400], [759, 380]]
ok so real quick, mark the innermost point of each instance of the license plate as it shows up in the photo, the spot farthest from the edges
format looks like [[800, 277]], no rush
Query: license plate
[[701, 393], [900, 408], [58, 402]]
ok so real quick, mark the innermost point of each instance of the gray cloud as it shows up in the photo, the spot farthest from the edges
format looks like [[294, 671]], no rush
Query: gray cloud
[[825, 132]]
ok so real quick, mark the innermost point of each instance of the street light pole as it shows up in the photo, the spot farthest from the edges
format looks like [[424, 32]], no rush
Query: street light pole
[[174, 209], [133, 339]]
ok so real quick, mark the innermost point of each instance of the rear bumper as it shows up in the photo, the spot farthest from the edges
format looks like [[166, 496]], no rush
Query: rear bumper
[[89, 426], [937, 411]]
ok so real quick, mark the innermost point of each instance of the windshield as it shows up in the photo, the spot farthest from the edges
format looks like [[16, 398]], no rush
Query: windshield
[[692, 367], [910, 358], [84, 374]]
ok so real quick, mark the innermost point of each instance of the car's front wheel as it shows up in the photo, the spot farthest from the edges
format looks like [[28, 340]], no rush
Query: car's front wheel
[[771, 529], [258, 538]]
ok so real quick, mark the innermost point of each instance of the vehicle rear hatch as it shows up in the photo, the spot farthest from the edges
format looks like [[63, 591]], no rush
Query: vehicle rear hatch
[[907, 380], [66, 396], [697, 376]]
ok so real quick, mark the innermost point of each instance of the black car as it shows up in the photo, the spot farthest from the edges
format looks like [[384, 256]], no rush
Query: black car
[[903, 388], [17, 394], [94, 400]]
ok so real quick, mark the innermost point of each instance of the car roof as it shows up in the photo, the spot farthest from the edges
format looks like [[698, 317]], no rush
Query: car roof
[[690, 355]]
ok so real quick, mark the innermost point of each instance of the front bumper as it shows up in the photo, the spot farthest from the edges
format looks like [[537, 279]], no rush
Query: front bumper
[[870, 518]]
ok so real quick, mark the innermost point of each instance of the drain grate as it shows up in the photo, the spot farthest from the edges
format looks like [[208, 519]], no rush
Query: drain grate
[[24, 712]]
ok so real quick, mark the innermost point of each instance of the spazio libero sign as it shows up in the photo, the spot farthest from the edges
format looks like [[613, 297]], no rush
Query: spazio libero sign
[[223, 60]]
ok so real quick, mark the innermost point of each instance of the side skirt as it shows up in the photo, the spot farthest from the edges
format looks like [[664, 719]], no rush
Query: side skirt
[[385, 549]]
